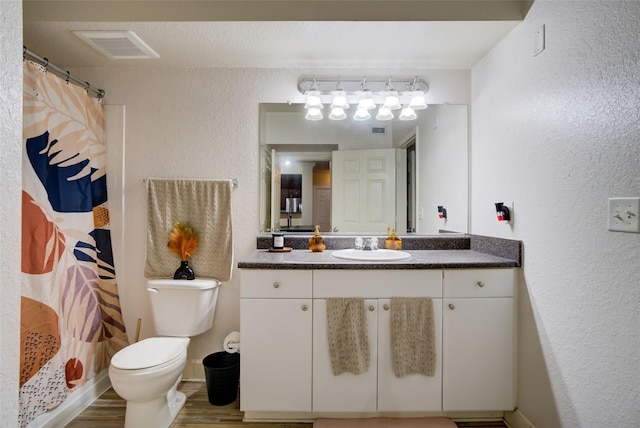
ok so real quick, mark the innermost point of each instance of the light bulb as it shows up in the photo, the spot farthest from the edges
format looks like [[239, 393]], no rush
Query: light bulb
[[407, 114], [313, 114], [313, 100], [417, 101], [361, 114], [384, 113], [391, 101], [337, 113], [339, 100], [366, 100]]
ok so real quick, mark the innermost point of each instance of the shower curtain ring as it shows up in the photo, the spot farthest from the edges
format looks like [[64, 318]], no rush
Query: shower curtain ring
[[46, 62], [68, 75]]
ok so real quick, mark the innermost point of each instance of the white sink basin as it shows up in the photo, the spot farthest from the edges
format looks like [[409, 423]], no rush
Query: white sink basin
[[373, 255]]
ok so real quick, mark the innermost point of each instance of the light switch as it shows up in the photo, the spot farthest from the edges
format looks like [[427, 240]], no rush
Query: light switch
[[623, 215]]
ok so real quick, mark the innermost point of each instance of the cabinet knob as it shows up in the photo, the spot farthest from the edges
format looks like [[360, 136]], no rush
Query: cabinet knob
[[480, 283], [276, 284], [371, 308], [386, 307], [305, 307], [452, 306]]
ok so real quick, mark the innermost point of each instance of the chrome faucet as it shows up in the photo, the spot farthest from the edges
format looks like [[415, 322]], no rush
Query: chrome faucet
[[370, 244]]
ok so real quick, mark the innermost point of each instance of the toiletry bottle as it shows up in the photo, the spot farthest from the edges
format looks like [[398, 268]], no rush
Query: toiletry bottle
[[316, 242], [389, 244], [396, 240]]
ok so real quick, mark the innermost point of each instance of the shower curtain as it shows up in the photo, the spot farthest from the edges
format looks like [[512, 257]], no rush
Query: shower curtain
[[71, 323]]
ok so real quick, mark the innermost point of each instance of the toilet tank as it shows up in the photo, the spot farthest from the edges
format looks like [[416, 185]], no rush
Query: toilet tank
[[181, 307]]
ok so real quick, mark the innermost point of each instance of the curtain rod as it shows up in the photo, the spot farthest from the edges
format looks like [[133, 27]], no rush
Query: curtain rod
[[62, 73]]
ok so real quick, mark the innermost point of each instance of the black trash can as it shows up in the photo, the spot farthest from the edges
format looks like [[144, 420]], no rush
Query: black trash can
[[222, 372]]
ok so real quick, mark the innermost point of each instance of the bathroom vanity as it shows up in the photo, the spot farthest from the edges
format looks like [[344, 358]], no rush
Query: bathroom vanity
[[285, 364]]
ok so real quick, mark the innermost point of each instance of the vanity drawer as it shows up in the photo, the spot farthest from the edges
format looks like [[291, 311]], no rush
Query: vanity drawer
[[377, 283], [479, 283], [275, 284]]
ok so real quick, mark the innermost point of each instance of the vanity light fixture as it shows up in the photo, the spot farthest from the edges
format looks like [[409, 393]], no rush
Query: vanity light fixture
[[314, 114], [407, 114], [367, 94], [417, 101], [313, 100], [361, 114], [384, 113], [366, 97], [391, 100], [337, 113], [339, 99]]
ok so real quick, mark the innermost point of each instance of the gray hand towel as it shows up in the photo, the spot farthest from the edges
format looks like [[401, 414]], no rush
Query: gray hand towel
[[413, 336], [347, 331]]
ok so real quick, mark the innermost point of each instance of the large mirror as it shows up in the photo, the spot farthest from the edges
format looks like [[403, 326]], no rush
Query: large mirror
[[361, 177]]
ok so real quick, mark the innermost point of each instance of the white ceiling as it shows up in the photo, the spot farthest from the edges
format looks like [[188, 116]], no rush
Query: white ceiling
[[326, 44]]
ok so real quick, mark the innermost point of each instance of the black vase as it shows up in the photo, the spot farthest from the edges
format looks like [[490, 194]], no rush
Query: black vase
[[184, 271]]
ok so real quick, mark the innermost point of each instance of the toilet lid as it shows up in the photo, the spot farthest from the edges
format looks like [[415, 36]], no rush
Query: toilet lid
[[149, 352]]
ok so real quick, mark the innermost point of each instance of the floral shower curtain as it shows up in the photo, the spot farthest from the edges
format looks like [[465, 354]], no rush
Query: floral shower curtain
[[71, 322]]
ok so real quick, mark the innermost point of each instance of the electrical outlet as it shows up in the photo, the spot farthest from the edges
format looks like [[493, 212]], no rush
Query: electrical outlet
[[623, 215]]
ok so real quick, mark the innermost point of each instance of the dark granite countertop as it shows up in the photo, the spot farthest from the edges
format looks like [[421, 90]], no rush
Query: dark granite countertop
[[420, 259]]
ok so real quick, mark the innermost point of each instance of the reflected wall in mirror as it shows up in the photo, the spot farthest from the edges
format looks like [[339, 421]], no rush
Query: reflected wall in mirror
[[364, 176]]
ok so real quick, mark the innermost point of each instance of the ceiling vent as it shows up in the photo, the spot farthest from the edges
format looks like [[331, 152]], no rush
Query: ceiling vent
[[118, 44]]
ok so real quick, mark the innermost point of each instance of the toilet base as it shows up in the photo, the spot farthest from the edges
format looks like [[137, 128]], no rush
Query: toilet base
[[157, 413]]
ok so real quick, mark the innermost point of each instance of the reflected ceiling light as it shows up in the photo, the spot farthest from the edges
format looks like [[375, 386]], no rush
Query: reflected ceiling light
[[407, 114], [337, 113], [366, 93], [384, 113], [391, 100], [314, 114], [361, 114]]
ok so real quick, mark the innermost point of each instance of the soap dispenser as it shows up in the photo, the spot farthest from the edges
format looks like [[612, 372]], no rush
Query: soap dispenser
[[316, 242], [392, 242], [396, 239]]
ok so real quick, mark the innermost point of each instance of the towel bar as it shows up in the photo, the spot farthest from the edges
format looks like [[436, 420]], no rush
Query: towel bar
[[234, 181]]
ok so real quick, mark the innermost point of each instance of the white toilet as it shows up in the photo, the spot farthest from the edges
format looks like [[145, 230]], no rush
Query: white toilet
[[147, 373]]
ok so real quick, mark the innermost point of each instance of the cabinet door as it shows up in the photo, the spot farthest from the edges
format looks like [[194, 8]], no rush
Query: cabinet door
[[478, 354], [415, 392], [346, 392], [275, 368]]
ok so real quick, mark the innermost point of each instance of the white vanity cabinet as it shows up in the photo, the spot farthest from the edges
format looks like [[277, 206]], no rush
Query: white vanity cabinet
[[377, 390], [285, 362], [478, 340], [275, 330]]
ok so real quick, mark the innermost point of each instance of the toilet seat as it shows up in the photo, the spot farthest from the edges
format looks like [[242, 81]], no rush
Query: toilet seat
[[149, 353]]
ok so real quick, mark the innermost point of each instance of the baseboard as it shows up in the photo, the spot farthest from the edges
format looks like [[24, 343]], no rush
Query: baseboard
[[76, 402], [517, 419], [193, 370]]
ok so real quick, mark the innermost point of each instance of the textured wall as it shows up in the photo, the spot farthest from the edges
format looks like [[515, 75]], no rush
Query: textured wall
[[443, 176], [203, 123], [558, 134], [10, 187]]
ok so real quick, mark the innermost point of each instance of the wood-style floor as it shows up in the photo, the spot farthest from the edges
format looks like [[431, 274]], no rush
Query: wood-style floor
[[108, 412]]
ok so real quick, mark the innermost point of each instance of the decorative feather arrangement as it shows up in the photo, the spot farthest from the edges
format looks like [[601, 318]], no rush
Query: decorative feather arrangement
[[183, 240]]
